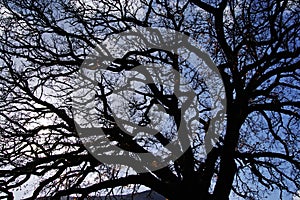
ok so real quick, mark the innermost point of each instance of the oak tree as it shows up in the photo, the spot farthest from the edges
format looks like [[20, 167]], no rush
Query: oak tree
[[254, 46]]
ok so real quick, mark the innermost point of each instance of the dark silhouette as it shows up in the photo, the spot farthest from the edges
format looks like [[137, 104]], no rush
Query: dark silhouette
[[255, 46]]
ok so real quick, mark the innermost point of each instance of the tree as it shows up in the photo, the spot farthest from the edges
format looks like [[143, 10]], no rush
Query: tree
[[254, 44]]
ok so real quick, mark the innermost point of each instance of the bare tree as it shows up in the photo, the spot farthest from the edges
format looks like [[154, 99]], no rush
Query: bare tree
[[255, 46]]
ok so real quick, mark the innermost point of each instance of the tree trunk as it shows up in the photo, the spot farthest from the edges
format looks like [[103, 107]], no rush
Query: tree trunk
[[228, 166]]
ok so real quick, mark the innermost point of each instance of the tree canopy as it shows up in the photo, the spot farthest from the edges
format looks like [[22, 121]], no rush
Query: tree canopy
[[254, 47]]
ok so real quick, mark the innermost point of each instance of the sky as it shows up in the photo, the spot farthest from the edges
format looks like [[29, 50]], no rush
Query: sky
[[20, 193]]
